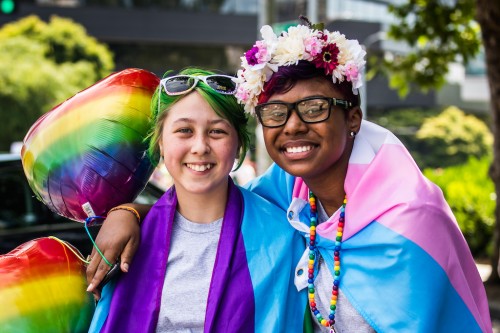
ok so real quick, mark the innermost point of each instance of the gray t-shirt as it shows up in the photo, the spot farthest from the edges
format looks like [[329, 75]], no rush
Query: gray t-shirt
[[347, 319], [190, 264]]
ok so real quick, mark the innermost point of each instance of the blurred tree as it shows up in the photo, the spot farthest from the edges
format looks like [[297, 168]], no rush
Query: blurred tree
[[452, 137], [41, 65], [441, 32]]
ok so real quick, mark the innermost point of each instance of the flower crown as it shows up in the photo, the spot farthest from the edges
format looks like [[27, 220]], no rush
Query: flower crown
[[340, 57]]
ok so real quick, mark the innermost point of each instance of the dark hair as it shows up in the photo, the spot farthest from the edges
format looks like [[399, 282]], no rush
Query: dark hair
[[287, 76], [225, 106]]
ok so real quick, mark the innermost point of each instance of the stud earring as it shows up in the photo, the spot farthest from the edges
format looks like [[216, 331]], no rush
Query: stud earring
[[352, 134]]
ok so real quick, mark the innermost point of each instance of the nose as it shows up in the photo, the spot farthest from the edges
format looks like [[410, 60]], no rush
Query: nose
[[294, 124], [201, 145]]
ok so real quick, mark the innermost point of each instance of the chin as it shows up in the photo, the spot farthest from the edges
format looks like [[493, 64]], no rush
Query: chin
[[297, 169]]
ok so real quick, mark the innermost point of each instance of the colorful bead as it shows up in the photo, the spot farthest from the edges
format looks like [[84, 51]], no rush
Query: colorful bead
[[336, 258]]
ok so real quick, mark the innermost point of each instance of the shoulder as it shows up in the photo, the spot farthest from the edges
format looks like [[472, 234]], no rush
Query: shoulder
[[260, 212], [254, 200], [264, 223], [275, 185]]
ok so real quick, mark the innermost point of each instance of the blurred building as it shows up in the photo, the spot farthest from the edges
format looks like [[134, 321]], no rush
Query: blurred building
[[171, 34]]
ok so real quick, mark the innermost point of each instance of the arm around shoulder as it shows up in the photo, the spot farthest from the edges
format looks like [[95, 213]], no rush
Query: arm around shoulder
[[118, 238]]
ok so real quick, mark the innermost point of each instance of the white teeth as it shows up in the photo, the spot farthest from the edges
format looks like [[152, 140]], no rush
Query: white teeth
[[298, 149], [197, 167]]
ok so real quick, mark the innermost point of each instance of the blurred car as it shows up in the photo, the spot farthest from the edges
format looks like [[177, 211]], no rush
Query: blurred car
[[23, 217]]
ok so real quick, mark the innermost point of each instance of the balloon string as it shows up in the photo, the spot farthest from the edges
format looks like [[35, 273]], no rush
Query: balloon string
[[87, 221], [78, 255]]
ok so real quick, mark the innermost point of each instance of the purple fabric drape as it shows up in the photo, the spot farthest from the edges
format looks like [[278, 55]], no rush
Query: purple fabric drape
[[136, 300]]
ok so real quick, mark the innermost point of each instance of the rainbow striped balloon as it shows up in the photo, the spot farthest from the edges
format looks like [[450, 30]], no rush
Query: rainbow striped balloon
[[87, 154], [42, 289]]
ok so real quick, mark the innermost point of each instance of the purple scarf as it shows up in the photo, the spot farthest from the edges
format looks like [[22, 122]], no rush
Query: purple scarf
[[135, 305]]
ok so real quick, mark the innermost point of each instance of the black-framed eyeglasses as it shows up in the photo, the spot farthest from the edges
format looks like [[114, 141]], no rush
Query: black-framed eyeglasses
[[182, 84], [310, 110]]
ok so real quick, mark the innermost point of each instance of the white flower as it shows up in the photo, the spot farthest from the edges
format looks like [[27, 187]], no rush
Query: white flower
[[268, 35], [289, 50]]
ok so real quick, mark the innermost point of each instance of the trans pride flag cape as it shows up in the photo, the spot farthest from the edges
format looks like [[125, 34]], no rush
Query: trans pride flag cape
[[252, 283], [405, 264]]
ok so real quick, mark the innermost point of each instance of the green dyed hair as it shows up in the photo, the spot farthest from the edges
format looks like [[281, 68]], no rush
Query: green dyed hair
[[225, 106]]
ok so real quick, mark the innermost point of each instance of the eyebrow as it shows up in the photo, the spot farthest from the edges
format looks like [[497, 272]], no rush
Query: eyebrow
[[312, 96], [213, 122]]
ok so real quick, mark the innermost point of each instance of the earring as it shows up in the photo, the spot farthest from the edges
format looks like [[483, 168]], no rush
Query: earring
[[352, 134]]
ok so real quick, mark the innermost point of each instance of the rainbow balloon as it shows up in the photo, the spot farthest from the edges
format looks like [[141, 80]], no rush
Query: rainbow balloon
[[42, 289], [87, 154]]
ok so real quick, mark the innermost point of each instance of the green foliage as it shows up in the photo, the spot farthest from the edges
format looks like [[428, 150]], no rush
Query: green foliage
[[452, 137], [67, 42], [471, 195], [404, 123], [34, 77], [438, 33]]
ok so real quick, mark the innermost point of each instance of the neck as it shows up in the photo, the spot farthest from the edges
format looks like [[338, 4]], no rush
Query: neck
[[331, 195], [202, 207]]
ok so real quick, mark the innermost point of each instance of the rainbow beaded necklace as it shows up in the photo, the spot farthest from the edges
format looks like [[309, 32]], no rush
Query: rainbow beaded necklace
[[312, 259]]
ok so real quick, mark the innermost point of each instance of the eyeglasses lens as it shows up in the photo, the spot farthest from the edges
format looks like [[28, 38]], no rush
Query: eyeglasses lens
[[313, 110], [273, 114], [180, 84], [222, 84]]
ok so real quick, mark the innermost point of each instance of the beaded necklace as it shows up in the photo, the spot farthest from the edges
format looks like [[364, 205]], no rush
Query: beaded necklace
[[312, 259]]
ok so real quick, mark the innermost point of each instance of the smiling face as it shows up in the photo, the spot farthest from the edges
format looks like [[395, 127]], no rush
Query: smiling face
[[313, 151], [199, 147]]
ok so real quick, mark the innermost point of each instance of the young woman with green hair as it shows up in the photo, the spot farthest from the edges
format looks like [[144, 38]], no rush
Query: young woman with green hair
[[213, 257]]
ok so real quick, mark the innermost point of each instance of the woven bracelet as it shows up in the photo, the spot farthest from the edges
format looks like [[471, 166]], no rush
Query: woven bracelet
[[130, 209]]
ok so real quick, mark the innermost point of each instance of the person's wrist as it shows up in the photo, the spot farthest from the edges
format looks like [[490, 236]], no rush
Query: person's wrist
[[128, 209]]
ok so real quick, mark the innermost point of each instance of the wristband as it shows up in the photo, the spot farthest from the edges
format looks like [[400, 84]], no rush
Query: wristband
[[130, 209]]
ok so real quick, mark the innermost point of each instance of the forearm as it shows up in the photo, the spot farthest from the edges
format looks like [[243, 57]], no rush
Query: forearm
[[118, 238]]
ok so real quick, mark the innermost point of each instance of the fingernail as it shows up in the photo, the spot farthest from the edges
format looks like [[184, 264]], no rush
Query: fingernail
[[125, 267], [90, 287]]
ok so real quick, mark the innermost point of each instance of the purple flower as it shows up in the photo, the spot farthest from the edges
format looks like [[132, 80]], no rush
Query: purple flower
[[251, 56]]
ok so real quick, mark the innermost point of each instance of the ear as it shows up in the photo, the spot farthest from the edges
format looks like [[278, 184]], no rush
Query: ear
[[160, 144], [354, 117]]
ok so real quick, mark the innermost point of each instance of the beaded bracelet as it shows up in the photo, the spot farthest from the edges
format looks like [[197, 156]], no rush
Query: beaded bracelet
[[130, 209]]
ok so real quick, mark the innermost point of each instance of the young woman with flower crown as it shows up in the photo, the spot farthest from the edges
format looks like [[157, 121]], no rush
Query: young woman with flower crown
[[384, 251], [209, 261]]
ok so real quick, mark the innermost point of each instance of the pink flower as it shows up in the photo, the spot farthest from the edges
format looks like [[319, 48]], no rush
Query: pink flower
[[242, 94], [351, 72], [262, 54], [313, 46], [258, 54], [327, 59]]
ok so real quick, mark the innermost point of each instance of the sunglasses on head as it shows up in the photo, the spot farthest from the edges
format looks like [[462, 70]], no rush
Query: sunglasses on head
[[182, 84]]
